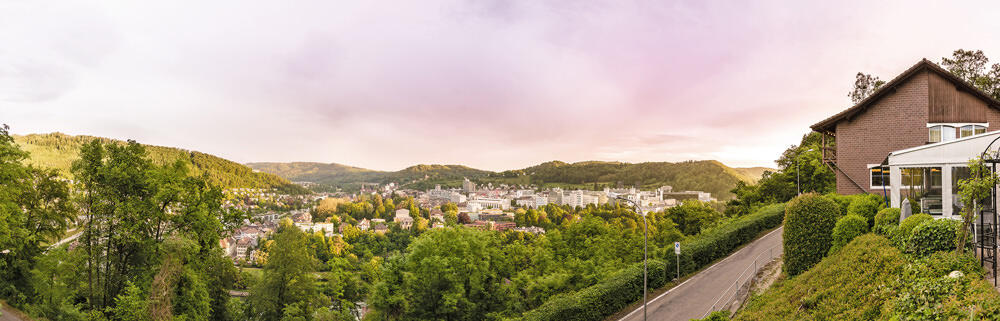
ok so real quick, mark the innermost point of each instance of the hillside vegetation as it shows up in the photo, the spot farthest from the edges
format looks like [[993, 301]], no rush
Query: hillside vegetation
[[709, 176], [58, 151], [870, 279]]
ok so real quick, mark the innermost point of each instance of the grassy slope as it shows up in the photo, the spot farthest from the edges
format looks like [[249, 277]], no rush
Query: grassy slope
[[869, 279], [710, 176], [58, 151]]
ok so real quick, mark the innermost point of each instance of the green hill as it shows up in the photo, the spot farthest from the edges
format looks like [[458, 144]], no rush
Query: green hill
[[58, 151], [709, 176]]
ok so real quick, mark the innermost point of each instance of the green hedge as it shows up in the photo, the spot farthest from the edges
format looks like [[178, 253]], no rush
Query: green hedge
[[901, 234], [809, 222], [933, 236], [696, 252], [603, 299], [885, 219], [847, 228], [866, 206]]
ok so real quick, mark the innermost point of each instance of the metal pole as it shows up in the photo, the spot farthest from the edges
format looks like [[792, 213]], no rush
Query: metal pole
[[645, 267]]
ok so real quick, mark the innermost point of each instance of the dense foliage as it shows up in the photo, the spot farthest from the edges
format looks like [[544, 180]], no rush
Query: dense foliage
[[901, 234], [933, 236], [885, 220], [602, 299], [148, 245], [870, 279], [866, 206], [809, 223], [847, 228], [58, 151]]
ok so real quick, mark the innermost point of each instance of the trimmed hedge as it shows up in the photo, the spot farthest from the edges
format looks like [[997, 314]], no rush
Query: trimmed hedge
[[603, 299], [847, 228], [933, 236], [809, 222], [696, 252], [866, 206], [885, 219], [843, 201], [902, 234]]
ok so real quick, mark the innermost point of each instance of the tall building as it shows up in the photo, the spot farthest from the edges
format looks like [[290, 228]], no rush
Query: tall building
[[468, 186]]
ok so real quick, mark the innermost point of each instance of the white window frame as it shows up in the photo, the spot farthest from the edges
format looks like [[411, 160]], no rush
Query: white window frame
[[955, 126], [871, 182], [974, 128]]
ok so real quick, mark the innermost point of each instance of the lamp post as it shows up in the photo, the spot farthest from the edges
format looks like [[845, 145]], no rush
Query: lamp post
[[798, 184], [645, 235]]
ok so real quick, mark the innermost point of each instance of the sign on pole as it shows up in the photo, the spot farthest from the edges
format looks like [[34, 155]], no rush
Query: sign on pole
[[677, 252]]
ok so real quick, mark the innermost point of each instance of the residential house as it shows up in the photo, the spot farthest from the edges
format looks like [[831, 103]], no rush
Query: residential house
[[925, 104]]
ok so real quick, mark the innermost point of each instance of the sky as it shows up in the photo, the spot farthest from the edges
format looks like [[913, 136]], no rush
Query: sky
[[489, 84]]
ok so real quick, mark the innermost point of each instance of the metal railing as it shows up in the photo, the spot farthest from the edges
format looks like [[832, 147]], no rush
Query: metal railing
[[758, 263]]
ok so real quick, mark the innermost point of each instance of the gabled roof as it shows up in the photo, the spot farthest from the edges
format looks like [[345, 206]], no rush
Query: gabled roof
[[829, 124]]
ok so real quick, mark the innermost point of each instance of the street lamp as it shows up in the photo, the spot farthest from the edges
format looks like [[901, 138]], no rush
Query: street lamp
[[798, 188], [645, 235]]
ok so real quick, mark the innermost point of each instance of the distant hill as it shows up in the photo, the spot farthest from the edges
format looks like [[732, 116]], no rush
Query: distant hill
[[708, 176], [349, 177], [754, 173], [58, 151]]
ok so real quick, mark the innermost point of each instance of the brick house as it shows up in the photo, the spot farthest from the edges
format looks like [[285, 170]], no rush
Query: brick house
[[925, 104]]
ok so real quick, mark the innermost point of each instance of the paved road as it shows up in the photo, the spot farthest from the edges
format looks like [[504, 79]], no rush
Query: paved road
[[694, 297]]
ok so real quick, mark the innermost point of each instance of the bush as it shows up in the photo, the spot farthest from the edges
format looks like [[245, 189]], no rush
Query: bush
[[941, 263], [847, 228], [716, 316], [866, 206], [932, 236], [886, 218], [902, 233], [809, 222], [843, 201], [603, 299]]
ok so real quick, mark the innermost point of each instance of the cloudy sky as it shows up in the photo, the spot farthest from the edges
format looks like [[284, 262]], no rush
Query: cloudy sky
[[490, 84]]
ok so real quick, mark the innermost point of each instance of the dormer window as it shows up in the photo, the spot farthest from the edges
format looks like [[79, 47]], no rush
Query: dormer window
[[941, 133], [969, 130]]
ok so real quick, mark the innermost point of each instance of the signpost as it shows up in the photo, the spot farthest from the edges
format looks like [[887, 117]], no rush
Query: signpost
[[677, 251]]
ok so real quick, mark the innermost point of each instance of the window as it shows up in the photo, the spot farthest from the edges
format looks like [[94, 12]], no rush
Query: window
[[880, 177], [969, 130], [923, 185], [941, 133]]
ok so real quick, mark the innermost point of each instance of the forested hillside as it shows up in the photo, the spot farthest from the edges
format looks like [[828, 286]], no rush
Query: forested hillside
[[709, 176], [58, 151]]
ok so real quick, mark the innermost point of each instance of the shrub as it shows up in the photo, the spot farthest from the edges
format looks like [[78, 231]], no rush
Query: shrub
[[932, 236], [847, 228], [809, 222], [866, 206], [843, 201], [602, 299], [941, 263], [886, 218], [902, 233], [716, 316]]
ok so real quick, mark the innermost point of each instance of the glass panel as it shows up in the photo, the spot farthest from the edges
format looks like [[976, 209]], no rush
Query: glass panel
[[980, 129], [935, 134], [957, 173], [947, 133], [923, 185], [880, 176], [966, 131]]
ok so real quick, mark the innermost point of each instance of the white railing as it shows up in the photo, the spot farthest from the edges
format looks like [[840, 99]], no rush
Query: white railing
[[758, 263]]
